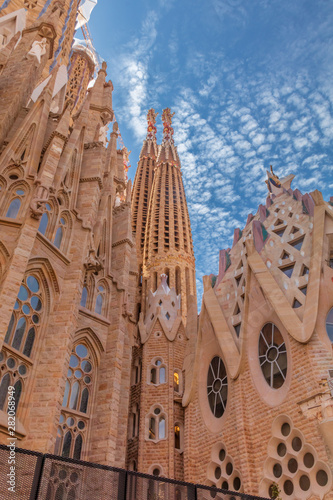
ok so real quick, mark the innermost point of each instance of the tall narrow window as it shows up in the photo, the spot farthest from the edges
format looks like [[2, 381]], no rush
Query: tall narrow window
[[178, 280], [20, 337], [152, 430], [44, 220], [14, 208], [157, 372], [177, 437], [100, 300], [157, 424], [74, 418], [84, 297]]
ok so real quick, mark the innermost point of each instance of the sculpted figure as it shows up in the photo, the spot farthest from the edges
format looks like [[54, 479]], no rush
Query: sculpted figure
[[38, 49], [103, 133]]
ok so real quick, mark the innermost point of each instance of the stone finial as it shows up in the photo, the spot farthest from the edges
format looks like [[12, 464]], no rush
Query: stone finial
[[126, 161], [308, 204], [224, 264], [237, 236], [263, 213], [249, 218], [102, 134], [151, 128], [167, 125]]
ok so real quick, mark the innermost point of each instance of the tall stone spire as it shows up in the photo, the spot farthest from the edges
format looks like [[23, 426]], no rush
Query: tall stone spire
[[168, 246], [143, 183]]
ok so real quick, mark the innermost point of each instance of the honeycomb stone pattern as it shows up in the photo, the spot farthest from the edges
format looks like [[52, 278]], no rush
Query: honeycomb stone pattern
[[221, 471], [293, 464]]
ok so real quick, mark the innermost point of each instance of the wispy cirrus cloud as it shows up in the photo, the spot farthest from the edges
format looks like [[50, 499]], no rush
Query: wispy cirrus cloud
[[251, 85]]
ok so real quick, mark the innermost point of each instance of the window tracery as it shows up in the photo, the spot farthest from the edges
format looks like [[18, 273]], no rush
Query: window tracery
[[17, 199], [20, 337], [272, 356], [156, 421], [157, 372], [217, 387], [100, 299], [45, 220], [74, 418]]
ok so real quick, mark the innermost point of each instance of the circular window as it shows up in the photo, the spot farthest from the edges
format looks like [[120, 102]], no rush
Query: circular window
[[304, 483], [285, 429], [329, 325], [217, 387], [308, 460], [272, 356], [322, 477], [277, 470]]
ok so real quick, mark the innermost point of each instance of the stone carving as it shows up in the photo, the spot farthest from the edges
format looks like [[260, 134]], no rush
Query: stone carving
[[38, 49], [102, 134], [151, 129], [167, 126], [126, 161], [30, 4], [93, 263], [37, 205]]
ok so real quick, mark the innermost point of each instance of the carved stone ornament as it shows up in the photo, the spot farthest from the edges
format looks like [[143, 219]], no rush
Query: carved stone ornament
[[93, 263], [38, 49], [102, 134], [38, 202]]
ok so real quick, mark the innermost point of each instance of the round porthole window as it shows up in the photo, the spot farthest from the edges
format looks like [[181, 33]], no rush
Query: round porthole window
[[217, 387], [272, 356]]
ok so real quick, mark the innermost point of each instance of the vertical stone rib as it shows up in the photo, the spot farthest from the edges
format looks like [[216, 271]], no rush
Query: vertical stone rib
[[168, 241]]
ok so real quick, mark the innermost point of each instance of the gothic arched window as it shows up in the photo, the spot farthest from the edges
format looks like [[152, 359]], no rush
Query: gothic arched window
[[20, 336], [15, 204], [74, 418], [44, 222], [60, 233], [157, 372], [156, 424], [100, 300]]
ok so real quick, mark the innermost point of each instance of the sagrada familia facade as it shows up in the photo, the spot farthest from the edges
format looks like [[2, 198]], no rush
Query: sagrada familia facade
[[99, 330]]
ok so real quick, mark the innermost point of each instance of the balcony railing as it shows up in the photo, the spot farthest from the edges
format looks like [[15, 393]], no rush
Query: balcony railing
[[49, 477]]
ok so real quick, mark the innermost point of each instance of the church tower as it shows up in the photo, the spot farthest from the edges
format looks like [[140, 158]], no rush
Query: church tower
[[142, 188], [161, 223], [168, 246]]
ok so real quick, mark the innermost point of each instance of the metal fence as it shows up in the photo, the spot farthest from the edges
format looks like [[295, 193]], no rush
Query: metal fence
[[49, 477]]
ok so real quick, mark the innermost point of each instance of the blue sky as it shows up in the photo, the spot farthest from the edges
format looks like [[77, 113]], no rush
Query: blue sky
[[251, 84]]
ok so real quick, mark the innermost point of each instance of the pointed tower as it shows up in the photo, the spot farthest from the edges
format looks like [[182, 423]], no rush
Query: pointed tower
[[163, 235], [143, 184], [168, 246]]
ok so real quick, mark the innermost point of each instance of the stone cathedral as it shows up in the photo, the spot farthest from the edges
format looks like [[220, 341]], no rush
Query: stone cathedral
[[99, 328]]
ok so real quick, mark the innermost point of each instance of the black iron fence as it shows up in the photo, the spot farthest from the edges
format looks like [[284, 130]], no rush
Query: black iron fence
[[48, 477]]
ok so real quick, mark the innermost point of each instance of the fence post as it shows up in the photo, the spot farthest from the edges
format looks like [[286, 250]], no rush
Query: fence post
[[36, 482], [191, 492], [122, 485]]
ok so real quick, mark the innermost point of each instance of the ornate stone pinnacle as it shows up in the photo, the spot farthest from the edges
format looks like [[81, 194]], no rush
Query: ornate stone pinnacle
[[151, 129], [167, 125]]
